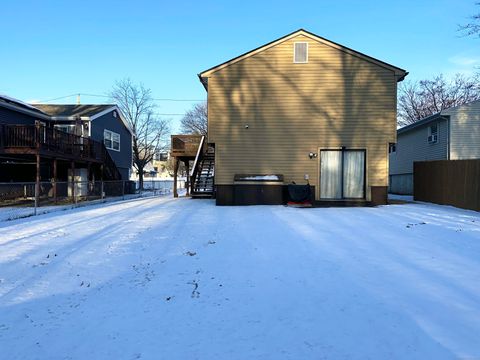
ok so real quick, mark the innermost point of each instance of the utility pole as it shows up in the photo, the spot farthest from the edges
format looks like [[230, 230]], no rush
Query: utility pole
[[78, 99]]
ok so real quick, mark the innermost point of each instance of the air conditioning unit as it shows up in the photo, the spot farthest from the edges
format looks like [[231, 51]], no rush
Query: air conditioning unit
[[432, 139]]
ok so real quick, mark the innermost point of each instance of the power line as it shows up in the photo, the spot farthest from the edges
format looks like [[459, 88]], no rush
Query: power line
[[58, 98], [106, 96], [170, 114], [179, 99]]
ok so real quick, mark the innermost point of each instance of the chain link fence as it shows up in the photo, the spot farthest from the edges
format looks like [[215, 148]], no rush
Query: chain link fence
[[20, 199]]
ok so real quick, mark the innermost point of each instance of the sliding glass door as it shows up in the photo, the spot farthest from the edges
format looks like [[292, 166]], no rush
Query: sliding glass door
[[342, 174]]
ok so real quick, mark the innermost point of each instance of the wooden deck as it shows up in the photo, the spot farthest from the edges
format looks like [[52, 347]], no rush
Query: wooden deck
[[185, 146], [50, 143]]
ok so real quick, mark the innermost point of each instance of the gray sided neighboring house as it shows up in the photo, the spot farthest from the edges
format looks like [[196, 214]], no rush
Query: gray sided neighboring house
[[452, 134]]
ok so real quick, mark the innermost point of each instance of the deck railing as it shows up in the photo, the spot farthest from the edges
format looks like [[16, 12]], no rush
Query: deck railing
[[46, 139], [185, 145]]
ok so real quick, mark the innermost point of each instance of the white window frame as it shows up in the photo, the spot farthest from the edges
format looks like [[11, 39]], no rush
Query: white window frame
[[71, 126], [295, 51], [111, 134], [430, 134]]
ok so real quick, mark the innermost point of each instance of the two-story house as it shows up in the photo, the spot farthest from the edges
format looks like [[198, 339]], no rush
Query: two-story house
[[451, 134], [301, 108], [104, 123], [43, 142]]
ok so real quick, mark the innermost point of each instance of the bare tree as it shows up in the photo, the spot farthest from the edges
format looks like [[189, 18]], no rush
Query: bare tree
[[423, 98], [195, 120], [473, 27], [150, 131], [169, 166]]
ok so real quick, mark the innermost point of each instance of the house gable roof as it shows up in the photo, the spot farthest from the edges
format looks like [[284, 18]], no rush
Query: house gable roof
[[20, 106], [85, 112], [441, 115], [424, 121], [203, 76], [59, 110]]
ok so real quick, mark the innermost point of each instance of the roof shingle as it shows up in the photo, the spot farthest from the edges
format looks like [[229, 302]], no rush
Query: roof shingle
[[72, 110]]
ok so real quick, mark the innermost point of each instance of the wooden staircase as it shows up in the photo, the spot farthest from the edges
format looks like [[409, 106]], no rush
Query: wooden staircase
[[202, 180], [110, 170]]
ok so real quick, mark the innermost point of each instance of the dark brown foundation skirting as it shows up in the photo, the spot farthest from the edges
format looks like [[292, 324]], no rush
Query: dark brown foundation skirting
[[258, 194], [379, 195], [252, 194]]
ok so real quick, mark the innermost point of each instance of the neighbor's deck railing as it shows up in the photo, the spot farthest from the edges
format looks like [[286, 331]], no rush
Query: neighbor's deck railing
[[185, 145], [46, 139]]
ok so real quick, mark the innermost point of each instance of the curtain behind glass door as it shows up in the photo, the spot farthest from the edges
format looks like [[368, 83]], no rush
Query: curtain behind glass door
[[353, 174], [331, 174]]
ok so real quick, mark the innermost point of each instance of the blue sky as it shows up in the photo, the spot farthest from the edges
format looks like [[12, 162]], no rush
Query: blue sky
[[56, 48]]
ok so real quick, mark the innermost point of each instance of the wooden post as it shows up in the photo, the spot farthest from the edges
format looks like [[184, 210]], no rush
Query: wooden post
[[187, 184], [89, 168], [101, 182], [175, 171], [55, 180], [37, 170], [72, 166], [37, 183]]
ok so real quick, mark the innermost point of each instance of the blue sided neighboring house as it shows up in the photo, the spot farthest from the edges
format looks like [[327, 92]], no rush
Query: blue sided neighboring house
[[93, 137], [451, 134], [103, 123]]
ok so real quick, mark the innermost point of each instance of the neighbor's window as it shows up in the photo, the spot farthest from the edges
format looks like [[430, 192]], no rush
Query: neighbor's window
[[160, 156], [300, 52], [433, 133], [111, 140], [65, 128], [392, 148]]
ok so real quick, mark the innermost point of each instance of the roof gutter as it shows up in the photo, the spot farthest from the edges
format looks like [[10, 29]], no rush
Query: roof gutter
[[424, 121], [401, 78]]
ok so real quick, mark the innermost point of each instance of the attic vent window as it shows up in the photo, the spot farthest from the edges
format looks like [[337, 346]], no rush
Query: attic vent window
[[300, 52], [115, 114]]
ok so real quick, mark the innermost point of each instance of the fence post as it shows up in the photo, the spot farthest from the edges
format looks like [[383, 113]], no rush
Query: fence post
[[74, 192], [37, 183], [101, 190], [123, 190], [36, 200], [72, 170], [55, 181]]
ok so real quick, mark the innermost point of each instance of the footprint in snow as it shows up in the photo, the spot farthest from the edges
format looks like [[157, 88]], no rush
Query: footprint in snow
[[195, 293], [191, 253], [411, 224]]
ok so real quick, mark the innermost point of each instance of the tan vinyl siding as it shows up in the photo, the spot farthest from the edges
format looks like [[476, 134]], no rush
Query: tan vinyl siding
[[413, 146], [465, 131], [336, 99]]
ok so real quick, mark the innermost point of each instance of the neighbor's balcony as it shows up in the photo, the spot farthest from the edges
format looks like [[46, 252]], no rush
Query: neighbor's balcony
[[46, 141], [185, 145]]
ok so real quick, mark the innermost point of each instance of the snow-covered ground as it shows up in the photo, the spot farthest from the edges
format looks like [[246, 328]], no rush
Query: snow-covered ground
[[163, 278], [17, 212], [400, 197]]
